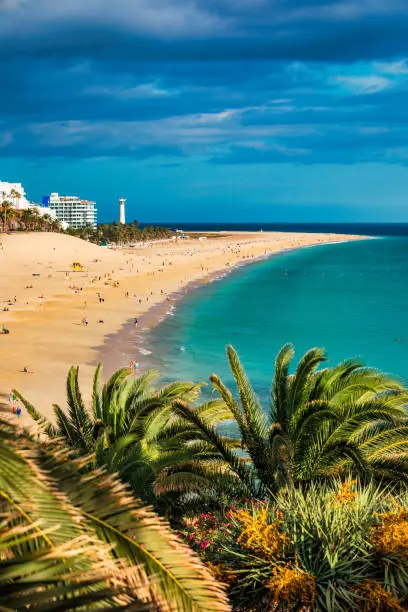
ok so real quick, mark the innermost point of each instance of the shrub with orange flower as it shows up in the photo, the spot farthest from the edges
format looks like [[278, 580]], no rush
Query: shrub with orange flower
[[221, 572], [376, 598], [291, 585], [345, 496], [391, 536], [264, 537]]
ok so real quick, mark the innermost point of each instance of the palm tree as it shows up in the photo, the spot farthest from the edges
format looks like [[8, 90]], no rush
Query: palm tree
[[320, 423], [121, 430], [65, 532], [15, 195], [28, 218], [55, 225], [7, 213]]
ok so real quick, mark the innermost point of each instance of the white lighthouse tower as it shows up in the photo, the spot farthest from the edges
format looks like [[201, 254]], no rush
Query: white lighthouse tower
[[122, 217]]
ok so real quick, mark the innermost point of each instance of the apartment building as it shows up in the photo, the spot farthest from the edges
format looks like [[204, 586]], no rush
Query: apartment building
[[71, 210]]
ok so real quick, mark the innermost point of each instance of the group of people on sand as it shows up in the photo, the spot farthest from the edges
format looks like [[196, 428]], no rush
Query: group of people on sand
[[133, 365], [14, 405]]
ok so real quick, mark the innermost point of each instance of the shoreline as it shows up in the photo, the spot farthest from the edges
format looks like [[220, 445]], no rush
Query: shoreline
[[45, 304], [120, 347]]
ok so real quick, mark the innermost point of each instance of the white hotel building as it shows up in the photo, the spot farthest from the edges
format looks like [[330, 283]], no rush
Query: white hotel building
[[16, 195], [71, 210]]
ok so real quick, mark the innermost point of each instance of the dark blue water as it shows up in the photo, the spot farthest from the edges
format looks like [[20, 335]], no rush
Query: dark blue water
[[364, 229], [349, 298]]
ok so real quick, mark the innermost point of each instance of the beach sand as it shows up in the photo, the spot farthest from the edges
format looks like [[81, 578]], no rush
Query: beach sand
[[43, 302]]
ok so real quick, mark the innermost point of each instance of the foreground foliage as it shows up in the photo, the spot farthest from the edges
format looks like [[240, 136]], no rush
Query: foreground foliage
[[121, 429], [68, 533], [339, 546], [304, 508], [320, 423]]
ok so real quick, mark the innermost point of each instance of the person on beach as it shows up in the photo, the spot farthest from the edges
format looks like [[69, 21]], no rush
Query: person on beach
[[136, 321], [85, 321]]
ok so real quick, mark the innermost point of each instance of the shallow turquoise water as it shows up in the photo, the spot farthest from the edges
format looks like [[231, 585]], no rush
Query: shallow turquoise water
[[349, 298]]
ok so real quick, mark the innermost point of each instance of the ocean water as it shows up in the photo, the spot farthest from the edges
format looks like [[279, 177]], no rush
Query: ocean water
[[350, 298]]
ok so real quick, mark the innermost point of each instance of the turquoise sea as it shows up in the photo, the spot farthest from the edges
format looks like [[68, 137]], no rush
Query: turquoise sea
[[350, 298]]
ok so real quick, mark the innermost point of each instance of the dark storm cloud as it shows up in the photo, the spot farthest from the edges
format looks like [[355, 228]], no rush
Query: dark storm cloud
[[243, 81]]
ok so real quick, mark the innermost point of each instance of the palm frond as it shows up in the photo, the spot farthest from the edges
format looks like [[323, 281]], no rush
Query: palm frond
[[44, 424]]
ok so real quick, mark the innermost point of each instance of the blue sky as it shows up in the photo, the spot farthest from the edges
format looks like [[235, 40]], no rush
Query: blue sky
[[214, 110]]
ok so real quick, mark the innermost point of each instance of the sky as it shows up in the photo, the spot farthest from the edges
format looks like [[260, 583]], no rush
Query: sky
[[209, 110]]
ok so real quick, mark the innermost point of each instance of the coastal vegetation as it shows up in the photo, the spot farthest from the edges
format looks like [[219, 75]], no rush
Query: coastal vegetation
[[298, 505], [28, 219], [121, 233], [73, 538], [113, 233]]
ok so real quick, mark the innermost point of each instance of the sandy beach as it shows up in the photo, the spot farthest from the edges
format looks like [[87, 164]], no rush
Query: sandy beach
[[58, 317]]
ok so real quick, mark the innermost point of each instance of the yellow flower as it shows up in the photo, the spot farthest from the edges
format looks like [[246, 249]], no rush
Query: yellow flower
[[391, 536], [345, 496], [264, 538], [376, 598], [292, 585], [221, 572]]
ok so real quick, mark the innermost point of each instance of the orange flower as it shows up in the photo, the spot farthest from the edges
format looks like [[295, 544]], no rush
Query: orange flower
[[376, 598], [293, 585], [264, 538], [391, 536], [345, 496], [221, 572]]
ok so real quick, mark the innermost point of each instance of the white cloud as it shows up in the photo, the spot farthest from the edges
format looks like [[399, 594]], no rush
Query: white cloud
[[395, 68], [190, 132], [144, 90], [364, 84]]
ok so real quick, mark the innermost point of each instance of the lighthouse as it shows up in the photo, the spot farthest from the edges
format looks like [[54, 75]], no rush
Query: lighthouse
[[122, 218]]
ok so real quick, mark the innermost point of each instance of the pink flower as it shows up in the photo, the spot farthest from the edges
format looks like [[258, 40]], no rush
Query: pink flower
[[179, 535], [195, 523], [191, 537]]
